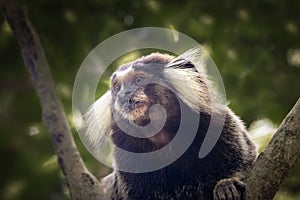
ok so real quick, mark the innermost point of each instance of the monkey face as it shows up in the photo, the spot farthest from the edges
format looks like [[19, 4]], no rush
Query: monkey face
[[135, 91], [128, 88]]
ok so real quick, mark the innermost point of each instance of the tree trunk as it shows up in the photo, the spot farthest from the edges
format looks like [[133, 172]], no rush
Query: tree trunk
[[82, 184]]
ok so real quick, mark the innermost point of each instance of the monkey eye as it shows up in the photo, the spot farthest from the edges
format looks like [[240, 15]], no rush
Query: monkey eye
[[139, 80], [117, 88]]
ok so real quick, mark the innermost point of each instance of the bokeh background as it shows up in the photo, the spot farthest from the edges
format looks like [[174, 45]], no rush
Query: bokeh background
[[255, 44]]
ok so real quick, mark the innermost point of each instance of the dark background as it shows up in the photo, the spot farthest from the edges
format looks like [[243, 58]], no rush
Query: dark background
[[255, 44]]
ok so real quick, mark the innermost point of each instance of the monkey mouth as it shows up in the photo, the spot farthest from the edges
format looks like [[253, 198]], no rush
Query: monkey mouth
[[137, 109]]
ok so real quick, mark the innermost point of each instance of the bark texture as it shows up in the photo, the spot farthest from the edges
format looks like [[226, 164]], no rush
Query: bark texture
[[273, 165], [82, 184]]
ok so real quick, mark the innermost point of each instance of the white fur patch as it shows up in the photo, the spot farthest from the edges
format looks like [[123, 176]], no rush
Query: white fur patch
[[97, 123], [124, 72], [186, 81], [187, 87]]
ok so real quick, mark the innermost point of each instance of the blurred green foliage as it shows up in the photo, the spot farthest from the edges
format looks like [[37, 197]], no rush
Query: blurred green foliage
[[255, 44]]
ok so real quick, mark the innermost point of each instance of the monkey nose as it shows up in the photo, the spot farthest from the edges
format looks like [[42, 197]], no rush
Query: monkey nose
[[135, 103], [131, 101], [124, 95]]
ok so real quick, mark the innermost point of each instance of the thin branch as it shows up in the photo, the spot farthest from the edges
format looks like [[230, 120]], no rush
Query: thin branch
[[273, 165], [82, 184]]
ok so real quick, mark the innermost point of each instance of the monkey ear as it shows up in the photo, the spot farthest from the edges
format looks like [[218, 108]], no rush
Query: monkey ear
[[190, 59], [194, 58], [182, 73], [180, 63]]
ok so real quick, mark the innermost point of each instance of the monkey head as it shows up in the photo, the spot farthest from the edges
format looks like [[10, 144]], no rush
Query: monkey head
[[136, 90], [137, 86]]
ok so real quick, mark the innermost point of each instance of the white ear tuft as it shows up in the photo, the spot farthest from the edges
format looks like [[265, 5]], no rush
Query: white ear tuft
[[186, 74], [97, 124], [184, 81]]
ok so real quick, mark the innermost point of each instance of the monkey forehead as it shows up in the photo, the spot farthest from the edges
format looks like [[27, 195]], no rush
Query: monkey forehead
[[123, 74], [127, 74], [137, 69], [123, 71]]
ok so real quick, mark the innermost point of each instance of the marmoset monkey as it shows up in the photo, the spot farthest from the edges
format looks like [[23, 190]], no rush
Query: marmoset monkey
[[177, 84]]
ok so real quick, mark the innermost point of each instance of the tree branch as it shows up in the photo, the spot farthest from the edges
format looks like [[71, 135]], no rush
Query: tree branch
[[280, 156], [82, 184]]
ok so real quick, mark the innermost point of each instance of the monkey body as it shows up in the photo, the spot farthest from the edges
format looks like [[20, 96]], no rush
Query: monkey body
[[135, 87], [190, 177]]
